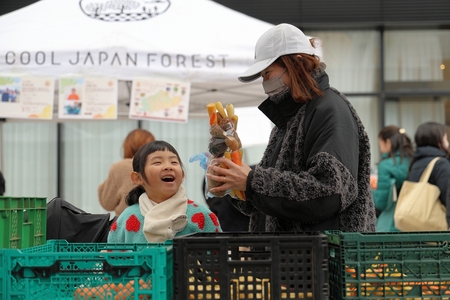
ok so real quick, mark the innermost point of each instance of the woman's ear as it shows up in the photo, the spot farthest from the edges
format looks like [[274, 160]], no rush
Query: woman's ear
[[136, 178]]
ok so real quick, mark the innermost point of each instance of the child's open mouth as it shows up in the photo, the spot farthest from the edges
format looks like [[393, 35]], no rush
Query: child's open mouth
[[168, 178]]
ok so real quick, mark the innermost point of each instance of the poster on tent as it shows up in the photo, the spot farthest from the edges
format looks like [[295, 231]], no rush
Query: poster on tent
[[26, 97], [160, 100], [87, 98]]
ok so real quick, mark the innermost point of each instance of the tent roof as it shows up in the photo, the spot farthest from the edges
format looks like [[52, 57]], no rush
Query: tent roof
[[199, 41]]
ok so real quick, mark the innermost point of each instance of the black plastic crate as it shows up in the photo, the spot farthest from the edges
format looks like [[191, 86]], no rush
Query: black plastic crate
[[251, 266], [389, 265]]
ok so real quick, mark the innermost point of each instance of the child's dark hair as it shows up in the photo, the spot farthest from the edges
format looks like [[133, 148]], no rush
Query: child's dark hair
[[139, 161], [400, 141]]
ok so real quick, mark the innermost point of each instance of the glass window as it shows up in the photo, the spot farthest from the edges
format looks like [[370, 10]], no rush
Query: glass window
[[410, 111], [369, 113], [417, 55], [30, 159], [352, 58], [89, 148], [417, 74]]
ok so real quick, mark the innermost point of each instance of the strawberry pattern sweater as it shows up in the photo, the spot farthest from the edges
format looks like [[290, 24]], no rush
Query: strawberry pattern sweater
[[128, 227]]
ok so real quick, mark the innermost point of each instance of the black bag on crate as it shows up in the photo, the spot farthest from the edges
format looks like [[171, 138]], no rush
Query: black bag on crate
[[67, 222], [2, 184]]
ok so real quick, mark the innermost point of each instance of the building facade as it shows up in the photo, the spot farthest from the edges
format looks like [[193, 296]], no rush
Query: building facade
[[391, 58]]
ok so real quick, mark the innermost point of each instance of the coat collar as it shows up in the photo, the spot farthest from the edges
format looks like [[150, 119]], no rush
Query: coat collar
[[280, 113], [428, 151]]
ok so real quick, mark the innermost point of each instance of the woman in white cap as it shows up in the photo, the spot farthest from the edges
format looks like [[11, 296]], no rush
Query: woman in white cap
[[315, 172]]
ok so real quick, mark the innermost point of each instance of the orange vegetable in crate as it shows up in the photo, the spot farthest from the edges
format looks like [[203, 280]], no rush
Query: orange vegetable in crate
[[107, 291]]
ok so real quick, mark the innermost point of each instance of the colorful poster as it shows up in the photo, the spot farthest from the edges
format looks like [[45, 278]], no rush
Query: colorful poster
[[160, 100], [88, 98], [26, 97]]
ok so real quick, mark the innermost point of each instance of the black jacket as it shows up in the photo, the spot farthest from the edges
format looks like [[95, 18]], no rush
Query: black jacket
[[314, 174]]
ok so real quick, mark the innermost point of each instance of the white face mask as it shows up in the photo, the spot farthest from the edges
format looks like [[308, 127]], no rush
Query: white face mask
[[274, 85]]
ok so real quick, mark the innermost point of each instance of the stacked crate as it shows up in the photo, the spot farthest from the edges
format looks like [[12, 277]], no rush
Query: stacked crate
[[23, 222], [251, 266], [61, 270]]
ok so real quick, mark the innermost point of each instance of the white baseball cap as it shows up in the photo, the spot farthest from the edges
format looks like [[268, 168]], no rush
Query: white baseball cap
[[278, 41]]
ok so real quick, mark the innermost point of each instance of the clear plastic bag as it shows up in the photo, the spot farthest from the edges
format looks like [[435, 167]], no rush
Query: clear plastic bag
[[224, 142]]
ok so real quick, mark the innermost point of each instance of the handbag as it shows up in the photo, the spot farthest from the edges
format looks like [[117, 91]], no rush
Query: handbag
[[67, 222], [418, 205]]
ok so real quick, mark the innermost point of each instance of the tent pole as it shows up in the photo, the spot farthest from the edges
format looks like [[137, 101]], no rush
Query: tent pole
[[58, 159]]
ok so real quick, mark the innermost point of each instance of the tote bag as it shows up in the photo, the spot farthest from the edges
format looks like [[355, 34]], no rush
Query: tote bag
[[418, 205]]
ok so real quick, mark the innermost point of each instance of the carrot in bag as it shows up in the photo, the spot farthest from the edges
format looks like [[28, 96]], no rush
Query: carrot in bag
[[223, 124], [227, 155], [236, 157], [213, 119]]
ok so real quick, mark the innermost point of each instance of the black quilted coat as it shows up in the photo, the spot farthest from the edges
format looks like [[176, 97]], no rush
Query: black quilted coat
[[314, 174]]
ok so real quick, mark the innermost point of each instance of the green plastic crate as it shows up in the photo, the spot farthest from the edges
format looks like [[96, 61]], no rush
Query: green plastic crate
[[392, 265], [23, 222], [62, 270]]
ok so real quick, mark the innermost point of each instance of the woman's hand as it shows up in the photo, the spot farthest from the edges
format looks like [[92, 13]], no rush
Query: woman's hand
[[234, 177]]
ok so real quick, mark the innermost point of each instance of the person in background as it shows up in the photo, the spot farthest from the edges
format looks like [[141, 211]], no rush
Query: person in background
[[397, 151], [315, 172], [2, 184], [113, 191], [431, 141], [158, 207]]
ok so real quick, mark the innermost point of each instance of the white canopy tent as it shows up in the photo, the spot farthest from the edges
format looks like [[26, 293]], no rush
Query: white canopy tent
[[194, 40], [199, 41]]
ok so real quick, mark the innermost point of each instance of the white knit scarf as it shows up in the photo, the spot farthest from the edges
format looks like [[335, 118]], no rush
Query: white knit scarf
[[164, 220]]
